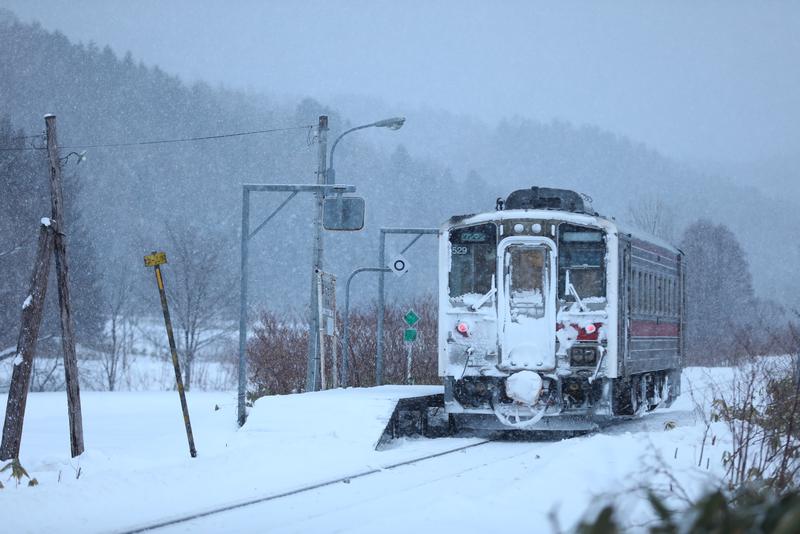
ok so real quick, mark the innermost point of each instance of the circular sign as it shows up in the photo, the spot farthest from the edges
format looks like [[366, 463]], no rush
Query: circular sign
[[399, 265]]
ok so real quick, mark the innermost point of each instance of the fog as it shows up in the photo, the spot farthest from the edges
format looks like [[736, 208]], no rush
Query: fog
[[717, 82], [698, 106]]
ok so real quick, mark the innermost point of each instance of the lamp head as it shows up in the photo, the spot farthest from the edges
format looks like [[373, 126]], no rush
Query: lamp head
[[395, 123]]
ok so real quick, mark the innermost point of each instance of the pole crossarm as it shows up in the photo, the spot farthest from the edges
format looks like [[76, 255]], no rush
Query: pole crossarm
[[301, 188], [418, 232], [410, 230]]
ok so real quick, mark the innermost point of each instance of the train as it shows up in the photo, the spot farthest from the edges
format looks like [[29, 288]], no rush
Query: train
[[552, 316]]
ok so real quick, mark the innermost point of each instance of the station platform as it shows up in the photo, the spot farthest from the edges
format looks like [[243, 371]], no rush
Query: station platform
[[353, 417]]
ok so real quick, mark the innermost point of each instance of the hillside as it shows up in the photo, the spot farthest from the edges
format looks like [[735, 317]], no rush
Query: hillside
[[445, 165]]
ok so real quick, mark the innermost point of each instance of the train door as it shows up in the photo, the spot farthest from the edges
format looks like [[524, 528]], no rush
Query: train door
[[526, 303], [626, 282]]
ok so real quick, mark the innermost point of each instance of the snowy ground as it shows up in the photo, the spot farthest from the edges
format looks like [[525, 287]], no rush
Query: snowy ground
[[145, 366], [137, 469]]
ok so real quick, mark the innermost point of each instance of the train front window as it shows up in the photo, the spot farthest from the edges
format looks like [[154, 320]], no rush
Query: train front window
[[527, 280], [473, 253], [581, 251]]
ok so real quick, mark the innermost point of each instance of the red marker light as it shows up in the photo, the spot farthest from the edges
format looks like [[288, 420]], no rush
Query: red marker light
[[462, 329], [590, 329]]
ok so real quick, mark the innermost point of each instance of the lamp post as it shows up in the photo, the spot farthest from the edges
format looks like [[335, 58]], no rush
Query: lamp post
[[395, 123]]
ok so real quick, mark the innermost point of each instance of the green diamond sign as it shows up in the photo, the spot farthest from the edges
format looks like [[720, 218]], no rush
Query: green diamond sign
[[411, 318], [409, 335]]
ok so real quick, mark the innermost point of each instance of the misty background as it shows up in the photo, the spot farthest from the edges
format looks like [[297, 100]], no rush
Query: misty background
[[694, 106]]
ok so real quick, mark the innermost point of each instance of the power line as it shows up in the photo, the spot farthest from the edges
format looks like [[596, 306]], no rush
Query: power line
[[164, 141]]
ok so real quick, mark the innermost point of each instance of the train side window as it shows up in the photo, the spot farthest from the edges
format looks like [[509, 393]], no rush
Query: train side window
[[674, 299], [670, 286], [641, 292], [660, 295]]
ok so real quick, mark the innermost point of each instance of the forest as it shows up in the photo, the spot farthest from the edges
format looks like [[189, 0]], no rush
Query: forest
[[124, 201]]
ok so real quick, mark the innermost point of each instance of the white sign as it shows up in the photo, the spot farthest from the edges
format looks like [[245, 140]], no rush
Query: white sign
[[398, 265]]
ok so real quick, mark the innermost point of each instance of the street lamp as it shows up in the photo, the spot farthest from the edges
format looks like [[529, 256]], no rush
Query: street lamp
[[394, 123]]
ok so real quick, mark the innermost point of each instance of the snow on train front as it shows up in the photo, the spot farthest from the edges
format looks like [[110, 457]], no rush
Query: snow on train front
[[529, 316]]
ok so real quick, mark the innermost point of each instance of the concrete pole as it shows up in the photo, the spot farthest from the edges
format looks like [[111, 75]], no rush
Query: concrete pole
[[242, 413], [312, 374]]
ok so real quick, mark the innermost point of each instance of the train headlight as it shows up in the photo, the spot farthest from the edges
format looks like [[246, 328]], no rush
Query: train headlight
[[581, 356], [462, 328]]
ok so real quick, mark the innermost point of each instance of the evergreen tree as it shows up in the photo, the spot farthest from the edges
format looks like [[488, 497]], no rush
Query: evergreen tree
[[719, 290]]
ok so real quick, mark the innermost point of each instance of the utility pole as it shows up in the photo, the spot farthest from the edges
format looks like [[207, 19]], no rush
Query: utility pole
[[51, 238], [62, 275], [26, 345], [312, 375]]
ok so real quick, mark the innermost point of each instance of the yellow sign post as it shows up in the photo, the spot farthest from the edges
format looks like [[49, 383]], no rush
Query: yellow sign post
[[155, 260]]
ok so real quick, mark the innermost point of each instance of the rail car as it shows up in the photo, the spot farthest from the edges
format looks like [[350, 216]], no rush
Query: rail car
[[553, 317]]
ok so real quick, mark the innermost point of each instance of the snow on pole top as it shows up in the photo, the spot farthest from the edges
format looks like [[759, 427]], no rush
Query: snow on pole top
[[48, 115]]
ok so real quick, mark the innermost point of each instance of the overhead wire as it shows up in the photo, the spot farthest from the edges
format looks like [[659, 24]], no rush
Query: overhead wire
[[308, 127]]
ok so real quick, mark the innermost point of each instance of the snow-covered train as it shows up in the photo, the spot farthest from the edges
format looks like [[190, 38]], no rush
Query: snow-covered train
[[552, 317]]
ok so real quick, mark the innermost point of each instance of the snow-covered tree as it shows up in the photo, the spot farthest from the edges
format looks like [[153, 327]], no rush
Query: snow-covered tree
[[719, 290]]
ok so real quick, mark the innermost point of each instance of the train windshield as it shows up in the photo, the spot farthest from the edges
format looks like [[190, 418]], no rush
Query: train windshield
[[473, 253], [528, 277], [582, 252]]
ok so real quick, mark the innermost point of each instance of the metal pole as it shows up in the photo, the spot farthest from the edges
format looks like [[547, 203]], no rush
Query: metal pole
[[381, 307], [346, 341], [242, 412], [312, 374], [408, 365], [156, 259], [381, 286]]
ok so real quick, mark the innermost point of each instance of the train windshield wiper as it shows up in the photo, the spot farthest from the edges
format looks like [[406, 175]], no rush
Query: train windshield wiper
[[481, 301], [574, 292]]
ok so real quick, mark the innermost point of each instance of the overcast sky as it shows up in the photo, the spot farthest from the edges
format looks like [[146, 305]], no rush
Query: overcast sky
[[698, 80]]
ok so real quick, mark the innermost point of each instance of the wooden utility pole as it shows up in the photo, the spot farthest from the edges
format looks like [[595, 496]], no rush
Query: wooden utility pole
[[51, 239], [62, 274], [26, 346]]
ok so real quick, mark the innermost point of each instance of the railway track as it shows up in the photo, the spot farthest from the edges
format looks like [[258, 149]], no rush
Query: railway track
[[617, 425], [183, 518]]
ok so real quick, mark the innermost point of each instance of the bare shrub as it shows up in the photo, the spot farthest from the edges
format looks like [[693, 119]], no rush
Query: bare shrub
[[363, 346], [277, 356], [277, 352], [761, 409]]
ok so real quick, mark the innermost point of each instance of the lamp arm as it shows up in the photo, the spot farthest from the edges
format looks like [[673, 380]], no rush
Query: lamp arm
[[336, 142]]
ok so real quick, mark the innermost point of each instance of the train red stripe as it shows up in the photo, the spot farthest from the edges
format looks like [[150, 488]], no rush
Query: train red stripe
[[653, 328]]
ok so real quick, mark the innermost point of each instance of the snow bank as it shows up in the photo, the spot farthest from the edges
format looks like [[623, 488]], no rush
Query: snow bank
[[137, 466]]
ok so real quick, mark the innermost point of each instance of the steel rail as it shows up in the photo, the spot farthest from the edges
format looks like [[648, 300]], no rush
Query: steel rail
[[162, 523]]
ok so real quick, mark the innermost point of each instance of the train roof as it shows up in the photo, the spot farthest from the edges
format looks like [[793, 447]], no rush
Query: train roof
[[596, 220]]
